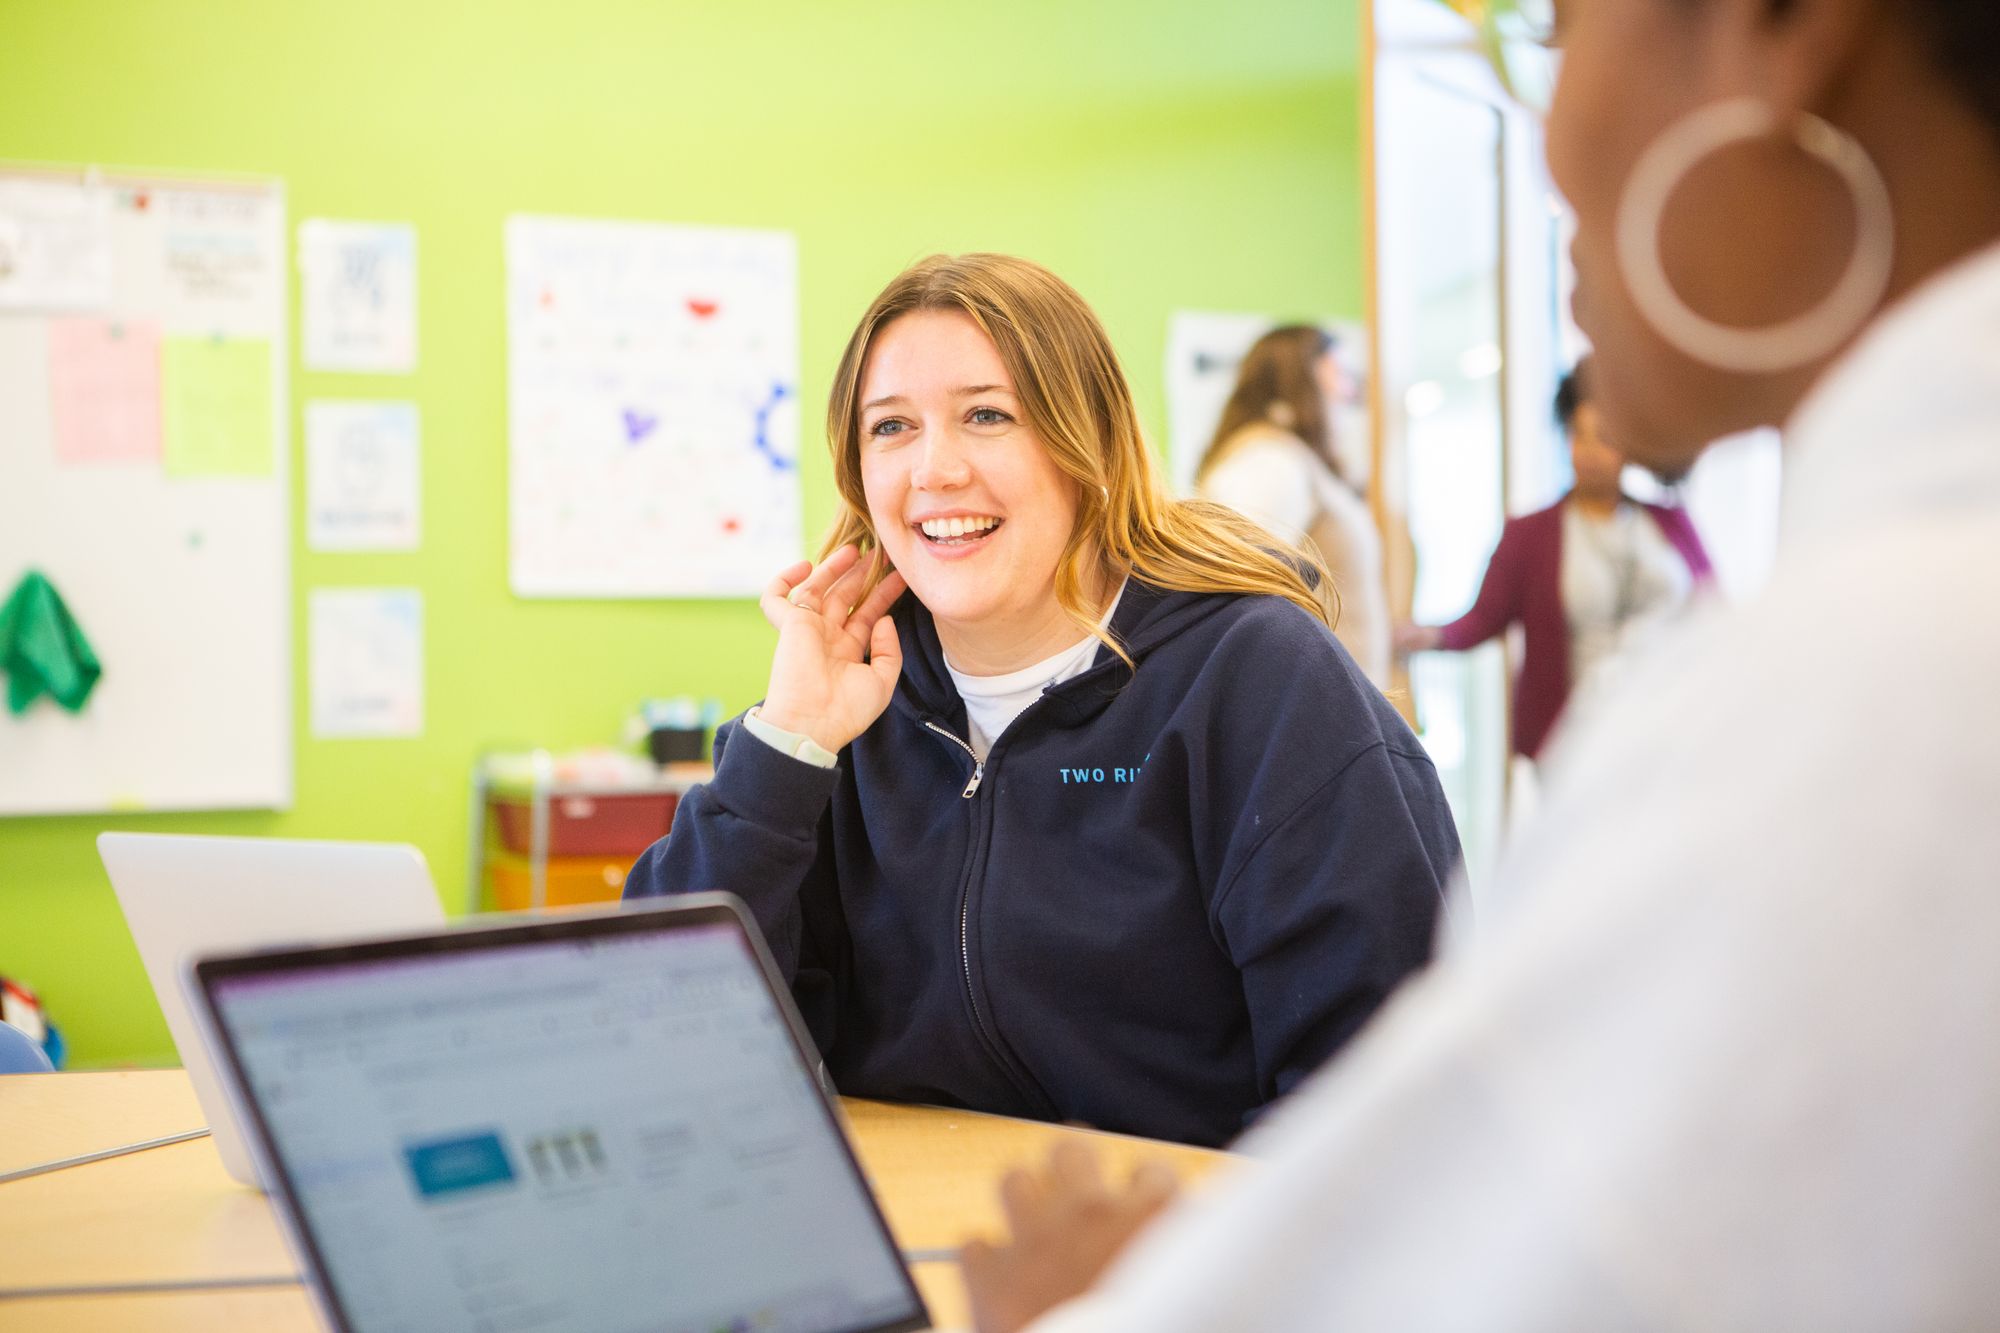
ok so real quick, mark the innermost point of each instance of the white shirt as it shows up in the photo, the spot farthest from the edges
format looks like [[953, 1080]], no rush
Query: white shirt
[[1622, 583], [1730, 1058], [993, 702]]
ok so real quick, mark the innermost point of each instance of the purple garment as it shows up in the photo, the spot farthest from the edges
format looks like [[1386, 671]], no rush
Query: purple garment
[[1524, 583]]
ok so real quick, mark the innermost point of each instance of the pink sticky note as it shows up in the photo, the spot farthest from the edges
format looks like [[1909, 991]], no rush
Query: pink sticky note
[[104, 390]]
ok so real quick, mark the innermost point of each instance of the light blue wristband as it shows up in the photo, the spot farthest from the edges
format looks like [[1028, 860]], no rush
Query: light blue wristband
[[803, 748]]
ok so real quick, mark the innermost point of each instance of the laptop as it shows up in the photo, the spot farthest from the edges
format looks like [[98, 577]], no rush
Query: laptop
[[589, 1122], [191, 895]]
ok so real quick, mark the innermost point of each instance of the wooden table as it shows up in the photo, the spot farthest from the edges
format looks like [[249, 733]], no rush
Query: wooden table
[[169, 1217]]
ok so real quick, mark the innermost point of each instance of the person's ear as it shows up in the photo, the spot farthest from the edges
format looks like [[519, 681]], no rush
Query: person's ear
[[1795, 55]]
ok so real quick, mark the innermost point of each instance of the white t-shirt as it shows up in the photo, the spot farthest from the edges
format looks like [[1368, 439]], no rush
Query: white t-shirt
[[1622, 582], [1729, 1056], [993, 702]]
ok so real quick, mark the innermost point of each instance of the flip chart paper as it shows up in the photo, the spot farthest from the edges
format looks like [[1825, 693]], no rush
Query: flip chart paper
[[653, 409]]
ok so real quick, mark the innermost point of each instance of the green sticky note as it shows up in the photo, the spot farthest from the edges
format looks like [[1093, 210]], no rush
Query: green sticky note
[[217, 414]]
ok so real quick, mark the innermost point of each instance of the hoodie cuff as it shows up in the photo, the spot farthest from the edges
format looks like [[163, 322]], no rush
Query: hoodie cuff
[[760, 783]]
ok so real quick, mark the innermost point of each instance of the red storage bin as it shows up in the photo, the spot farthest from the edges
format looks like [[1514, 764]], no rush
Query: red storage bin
[[623, 824]]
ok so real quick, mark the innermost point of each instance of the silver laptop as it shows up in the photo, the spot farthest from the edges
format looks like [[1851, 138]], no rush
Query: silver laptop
[[193, 895], [587, 1122]]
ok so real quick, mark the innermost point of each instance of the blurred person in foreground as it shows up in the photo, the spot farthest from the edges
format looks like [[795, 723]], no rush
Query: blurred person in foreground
[[1727, 1060]]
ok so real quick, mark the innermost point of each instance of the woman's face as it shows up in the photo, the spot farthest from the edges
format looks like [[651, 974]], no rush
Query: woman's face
[[1752, 236], [1331, 379], [1598, 466], [967, 502]]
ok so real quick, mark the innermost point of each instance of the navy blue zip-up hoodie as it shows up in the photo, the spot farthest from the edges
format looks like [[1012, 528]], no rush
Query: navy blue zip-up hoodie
[[1164, 898]]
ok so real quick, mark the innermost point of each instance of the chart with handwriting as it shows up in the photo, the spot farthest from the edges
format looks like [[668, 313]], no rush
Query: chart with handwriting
[[652, 408]]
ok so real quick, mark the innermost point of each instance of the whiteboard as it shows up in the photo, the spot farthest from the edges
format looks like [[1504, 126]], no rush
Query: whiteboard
[[653, 425], [158, 510]]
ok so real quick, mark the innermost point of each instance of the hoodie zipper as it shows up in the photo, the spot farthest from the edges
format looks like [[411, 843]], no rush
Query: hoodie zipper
[[978, 764], [965, 892]]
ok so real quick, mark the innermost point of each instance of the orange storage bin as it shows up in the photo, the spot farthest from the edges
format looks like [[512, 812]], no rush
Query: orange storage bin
[[573, 881], [620, 824]]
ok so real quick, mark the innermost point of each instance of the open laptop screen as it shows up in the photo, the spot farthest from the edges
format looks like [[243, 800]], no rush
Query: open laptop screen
[[604, 1128]]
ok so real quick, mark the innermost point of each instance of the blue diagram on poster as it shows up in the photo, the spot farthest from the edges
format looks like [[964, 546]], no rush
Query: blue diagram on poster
[[766, 444]]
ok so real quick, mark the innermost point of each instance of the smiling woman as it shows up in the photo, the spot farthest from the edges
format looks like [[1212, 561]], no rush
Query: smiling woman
[[1063, 800], [973, 510], [1016, 332]]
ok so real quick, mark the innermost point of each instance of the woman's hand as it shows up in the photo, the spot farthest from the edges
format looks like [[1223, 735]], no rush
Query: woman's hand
[[1416, 639], [1068, 1226], [837, 662]]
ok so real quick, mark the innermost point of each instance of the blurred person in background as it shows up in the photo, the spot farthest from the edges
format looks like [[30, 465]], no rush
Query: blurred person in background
[[1588, 579], [1725, 1059], [1273, 460]]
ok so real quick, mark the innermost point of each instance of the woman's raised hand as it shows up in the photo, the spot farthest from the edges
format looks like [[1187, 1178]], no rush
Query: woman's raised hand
[[838, 657]]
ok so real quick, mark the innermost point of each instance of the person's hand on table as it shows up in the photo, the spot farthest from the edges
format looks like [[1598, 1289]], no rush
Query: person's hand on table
[[1068, 1225]]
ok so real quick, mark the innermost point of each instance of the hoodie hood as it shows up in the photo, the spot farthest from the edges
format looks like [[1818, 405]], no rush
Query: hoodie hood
[[1147, 617]]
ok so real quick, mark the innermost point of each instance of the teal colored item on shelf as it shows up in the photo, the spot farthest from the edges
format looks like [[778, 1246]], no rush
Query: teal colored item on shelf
[[42, 648], [677, 729]]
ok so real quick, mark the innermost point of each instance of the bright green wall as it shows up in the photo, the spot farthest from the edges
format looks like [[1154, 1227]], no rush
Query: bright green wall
[[1157, 153]]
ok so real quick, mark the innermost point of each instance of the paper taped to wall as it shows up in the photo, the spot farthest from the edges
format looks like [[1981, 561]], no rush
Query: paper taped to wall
[[55, 245], [359, 296], [653, 408], [367, 662], [362, 477]]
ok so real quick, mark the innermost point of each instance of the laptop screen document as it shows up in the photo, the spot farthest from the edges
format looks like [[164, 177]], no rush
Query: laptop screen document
[[606, 1129]]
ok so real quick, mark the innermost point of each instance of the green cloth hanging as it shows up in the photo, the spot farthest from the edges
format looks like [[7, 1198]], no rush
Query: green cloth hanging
[[42, 649]]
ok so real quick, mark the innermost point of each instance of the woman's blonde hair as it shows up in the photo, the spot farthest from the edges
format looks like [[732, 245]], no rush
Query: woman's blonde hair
[[1075, 396]]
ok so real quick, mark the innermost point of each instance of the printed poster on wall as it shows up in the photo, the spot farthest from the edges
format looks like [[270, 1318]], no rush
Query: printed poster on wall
[[652, 408], [367, 662], [359, 284], [363, 476]]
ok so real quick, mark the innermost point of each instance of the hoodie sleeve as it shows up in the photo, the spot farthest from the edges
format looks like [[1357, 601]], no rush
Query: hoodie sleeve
[[1335, 903], [762, 830]]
